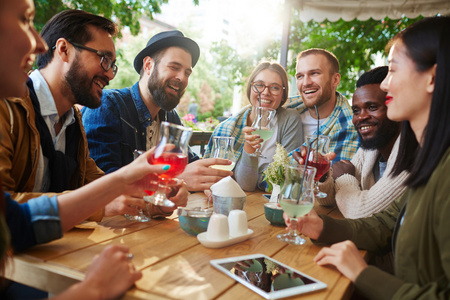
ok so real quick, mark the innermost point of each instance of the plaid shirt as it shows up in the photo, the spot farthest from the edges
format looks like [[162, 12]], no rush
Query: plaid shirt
[[231, 127], [339, 127]]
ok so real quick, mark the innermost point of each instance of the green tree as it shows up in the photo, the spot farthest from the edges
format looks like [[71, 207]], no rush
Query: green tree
[[355, 43], [123, 12]]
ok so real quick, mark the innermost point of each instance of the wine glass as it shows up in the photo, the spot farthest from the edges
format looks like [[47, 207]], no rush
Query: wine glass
[[263, 125], [223, 148], [172, 149], [318, 147], [297, 198]]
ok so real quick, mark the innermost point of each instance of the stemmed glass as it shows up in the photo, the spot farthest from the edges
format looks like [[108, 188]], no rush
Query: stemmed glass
[[297, 198], [223, 147], [318, 147], [263, 125], [172, 149]]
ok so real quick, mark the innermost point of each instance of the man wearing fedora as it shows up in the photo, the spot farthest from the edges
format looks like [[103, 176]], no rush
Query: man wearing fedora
[[130, 118]]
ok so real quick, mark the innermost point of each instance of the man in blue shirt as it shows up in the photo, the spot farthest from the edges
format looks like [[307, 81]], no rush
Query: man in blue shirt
[[130, 118]]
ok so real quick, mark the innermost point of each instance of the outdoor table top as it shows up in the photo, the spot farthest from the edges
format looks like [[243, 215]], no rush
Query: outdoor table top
[[174, 264]]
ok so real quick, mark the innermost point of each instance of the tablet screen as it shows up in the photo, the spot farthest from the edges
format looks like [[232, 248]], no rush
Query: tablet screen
[[267, 276]]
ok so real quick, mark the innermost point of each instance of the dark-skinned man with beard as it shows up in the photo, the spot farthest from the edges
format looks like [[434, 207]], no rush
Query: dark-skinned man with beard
[[44, 149], [365, 185], [130, 118]]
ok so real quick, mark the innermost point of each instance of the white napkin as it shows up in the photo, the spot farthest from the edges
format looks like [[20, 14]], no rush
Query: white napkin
[[227, 187]]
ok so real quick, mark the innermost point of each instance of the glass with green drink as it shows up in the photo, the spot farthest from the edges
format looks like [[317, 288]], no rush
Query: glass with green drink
[[296, 198]]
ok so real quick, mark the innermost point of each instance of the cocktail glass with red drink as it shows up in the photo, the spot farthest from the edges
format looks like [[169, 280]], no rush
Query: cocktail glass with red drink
[[318, 147], [172, 149]]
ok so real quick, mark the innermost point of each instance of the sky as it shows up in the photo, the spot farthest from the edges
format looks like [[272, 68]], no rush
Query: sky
[[245, 24]]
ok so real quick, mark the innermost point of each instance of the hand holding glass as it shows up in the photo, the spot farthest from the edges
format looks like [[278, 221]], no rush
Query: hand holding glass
[[141, 216], [318, 147], [172, 149], [223, 148], [263, 125], [296, 199]]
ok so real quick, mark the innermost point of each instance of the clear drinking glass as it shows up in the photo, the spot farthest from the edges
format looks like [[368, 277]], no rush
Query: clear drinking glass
[[172, 149], [141, 217], [263, 125], [296, 198], [318, 147], [223, 147]]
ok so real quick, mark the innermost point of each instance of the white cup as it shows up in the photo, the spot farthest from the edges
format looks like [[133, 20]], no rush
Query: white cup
[[218, 228], [237, 222]]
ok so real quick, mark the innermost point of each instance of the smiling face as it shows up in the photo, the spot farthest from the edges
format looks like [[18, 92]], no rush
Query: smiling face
[[370, 118], [20, 42], [267, 77], [315, 80], [86, 78], [169, 77], [409, 91]]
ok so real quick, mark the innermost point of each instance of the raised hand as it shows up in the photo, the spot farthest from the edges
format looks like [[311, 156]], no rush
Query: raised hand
[[199, 176], [343, 167], [310, 224], [252, 141]]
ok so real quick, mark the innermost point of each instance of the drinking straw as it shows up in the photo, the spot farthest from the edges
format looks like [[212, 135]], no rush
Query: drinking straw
[[307, 154]]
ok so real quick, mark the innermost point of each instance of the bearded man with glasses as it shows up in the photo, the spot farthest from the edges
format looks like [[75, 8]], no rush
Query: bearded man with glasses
[[44, 147]]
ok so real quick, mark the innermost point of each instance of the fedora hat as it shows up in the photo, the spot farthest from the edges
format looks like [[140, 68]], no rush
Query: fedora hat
[[166, 39]]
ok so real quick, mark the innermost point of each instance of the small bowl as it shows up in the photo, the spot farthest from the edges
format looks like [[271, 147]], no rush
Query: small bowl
[[194, 220], [274, 214]]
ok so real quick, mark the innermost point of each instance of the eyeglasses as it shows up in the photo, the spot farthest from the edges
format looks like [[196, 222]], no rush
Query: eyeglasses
[[106, 61], [274, 89]]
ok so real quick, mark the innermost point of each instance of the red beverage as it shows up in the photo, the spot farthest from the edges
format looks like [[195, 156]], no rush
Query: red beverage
[[322, 165], [177, 162]]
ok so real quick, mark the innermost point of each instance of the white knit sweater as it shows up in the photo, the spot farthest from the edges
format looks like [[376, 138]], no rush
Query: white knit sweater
[[359, 196]]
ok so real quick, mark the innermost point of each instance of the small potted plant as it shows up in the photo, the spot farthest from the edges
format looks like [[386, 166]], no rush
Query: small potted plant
[[275, 176], [274, 173]]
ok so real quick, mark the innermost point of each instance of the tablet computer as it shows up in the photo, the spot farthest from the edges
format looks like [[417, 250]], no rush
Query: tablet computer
[[266, 276]]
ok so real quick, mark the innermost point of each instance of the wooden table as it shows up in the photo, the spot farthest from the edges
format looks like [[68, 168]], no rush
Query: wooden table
[[174, 264]]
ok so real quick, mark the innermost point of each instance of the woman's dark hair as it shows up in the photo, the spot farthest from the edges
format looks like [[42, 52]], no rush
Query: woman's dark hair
[[72, 25], [275, 67], [427, 43]]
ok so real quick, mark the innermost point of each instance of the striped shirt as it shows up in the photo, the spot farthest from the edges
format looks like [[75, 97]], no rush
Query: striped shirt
[[339, 127]]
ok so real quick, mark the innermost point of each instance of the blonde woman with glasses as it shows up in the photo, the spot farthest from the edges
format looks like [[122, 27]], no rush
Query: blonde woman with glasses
[[267, 87]]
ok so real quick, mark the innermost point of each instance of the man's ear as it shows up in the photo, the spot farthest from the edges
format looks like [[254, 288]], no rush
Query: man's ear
[[148, 64], [336, 79], [62, 49]]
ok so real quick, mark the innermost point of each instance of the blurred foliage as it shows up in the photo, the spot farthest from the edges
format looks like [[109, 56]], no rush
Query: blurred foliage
[[123, 12], [355, 43], [220, 67]]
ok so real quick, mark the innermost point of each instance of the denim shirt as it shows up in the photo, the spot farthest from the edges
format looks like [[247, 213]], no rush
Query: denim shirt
[[118, 127], [34, 222]]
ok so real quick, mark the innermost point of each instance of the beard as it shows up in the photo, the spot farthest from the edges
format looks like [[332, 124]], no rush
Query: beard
[[157, 89], [324, 98], [384, 135], [80, 85]]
